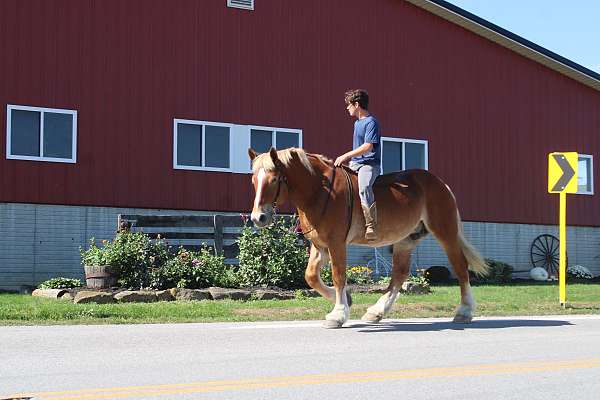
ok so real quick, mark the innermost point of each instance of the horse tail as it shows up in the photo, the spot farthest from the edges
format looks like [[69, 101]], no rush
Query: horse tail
[[475, 261]]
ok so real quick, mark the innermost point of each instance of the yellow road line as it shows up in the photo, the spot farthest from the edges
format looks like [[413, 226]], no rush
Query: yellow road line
[[318, 379]]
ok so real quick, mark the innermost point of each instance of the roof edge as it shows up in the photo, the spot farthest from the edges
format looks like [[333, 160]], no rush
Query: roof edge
[[509, 40]]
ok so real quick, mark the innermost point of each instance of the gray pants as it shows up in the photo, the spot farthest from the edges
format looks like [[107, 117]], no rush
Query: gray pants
[[366, 177]]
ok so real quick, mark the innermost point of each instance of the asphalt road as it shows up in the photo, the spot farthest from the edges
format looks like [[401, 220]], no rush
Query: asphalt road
[[493, 358]]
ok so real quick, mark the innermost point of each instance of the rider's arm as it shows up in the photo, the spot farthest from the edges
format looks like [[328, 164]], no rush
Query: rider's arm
[[362, 149]]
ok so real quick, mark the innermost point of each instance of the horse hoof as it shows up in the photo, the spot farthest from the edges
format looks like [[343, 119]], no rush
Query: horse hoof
[[462, 319], [371, 318], [330, 324]]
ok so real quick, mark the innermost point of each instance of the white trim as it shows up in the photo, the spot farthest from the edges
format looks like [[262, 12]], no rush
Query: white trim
[[404, 141], [591, 176], [42, 111], [239, 142], [240, 5]]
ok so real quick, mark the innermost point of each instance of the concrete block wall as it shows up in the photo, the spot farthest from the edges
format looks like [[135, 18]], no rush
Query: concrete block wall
[[39, 242]]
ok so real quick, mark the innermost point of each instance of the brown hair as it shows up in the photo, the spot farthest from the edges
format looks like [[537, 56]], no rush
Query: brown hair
[[357, 95]]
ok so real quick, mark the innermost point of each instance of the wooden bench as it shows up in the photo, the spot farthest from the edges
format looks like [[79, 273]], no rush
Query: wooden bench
[[219, 232]]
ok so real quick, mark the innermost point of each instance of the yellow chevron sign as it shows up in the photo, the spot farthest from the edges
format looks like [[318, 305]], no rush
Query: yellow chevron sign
[[562, 172]]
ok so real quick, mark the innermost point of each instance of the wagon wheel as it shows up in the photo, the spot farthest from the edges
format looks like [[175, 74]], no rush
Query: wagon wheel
[[545, 253]]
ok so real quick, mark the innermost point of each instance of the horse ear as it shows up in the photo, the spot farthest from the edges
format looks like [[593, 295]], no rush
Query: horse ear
[[252, 153], [275, 158]]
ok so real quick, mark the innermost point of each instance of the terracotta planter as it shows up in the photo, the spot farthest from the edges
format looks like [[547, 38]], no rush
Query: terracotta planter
[[99, 276]]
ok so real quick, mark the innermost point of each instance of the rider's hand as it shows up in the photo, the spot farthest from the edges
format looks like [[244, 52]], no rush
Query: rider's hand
[[340, 160]]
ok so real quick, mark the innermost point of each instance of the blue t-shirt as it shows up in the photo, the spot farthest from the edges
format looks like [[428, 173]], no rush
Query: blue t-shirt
[[366, 130]]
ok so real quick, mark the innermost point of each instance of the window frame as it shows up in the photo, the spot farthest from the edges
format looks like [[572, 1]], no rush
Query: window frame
[[274, 133], [42, 111], [177, 121], [404, 141], [239, 142], [590, 177]]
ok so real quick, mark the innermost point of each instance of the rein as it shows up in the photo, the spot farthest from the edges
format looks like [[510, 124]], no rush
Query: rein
[[350, 200]]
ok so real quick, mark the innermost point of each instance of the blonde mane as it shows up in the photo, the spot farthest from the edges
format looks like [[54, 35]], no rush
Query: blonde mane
[[285, 156]]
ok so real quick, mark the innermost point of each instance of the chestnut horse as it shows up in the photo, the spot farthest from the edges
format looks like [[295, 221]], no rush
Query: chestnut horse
[[410, 204]]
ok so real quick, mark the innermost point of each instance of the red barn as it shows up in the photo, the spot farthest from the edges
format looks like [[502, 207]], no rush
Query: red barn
[[149, 106]]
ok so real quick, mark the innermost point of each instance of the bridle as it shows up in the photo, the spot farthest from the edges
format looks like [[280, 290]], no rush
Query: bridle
[[280, 178]]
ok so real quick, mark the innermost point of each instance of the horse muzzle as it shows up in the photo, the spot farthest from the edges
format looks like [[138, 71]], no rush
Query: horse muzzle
[[262, 219]]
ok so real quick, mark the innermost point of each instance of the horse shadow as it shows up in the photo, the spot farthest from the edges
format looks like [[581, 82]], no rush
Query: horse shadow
[[437, 326]]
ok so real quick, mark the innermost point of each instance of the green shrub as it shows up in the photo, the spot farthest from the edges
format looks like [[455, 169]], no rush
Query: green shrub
[[499, 272], [326, 275], [93, 255], [384, 280], [576, 273], [131, 254], [420, 278], [228, 277], [60, 283], [357, 275], [272, 256], [192, 270]]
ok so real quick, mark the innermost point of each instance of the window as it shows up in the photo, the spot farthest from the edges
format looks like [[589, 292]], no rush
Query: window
[[243, 4], [585, 175], [222, 147], [262, 139], [41, 134], [201, 145], [400, 154]]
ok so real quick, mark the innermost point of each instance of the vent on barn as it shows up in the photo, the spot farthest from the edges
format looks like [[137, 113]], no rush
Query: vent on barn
[[244, 4]]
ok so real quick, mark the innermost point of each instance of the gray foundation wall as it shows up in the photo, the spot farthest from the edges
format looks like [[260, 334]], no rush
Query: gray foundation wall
[[39, 242]]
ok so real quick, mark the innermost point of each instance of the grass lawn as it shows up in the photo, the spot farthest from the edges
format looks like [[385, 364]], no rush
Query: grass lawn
[[492, 300]]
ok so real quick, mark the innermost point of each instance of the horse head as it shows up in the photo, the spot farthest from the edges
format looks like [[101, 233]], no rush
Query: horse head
[[270, 186]]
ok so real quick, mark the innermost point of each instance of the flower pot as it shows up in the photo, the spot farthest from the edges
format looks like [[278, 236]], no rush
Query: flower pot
[[99, 276]]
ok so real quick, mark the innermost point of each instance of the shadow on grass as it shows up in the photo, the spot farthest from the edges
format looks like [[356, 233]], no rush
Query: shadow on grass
[[436, 326]]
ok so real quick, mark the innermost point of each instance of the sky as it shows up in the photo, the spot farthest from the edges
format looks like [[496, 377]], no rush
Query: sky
[[570, 28]]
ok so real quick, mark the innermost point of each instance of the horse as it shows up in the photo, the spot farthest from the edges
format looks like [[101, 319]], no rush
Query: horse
[[411, 204]]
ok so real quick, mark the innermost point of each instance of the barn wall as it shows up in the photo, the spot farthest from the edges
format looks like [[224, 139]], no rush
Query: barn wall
[[490, 116]]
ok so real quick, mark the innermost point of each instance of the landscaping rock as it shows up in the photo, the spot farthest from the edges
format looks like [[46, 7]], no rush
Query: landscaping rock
[[51, 293], [89, 296], [367, 288], [164, 295], [67, 296], [269, 294], [310, 293], [138, 296], [538, 274], [233, 294], [414, 288], [190, 294]]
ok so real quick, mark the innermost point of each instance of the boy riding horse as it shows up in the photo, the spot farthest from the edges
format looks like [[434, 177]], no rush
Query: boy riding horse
[[365, 156]]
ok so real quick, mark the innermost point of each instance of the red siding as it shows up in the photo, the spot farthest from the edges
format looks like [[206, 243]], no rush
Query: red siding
[[130, 67]]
